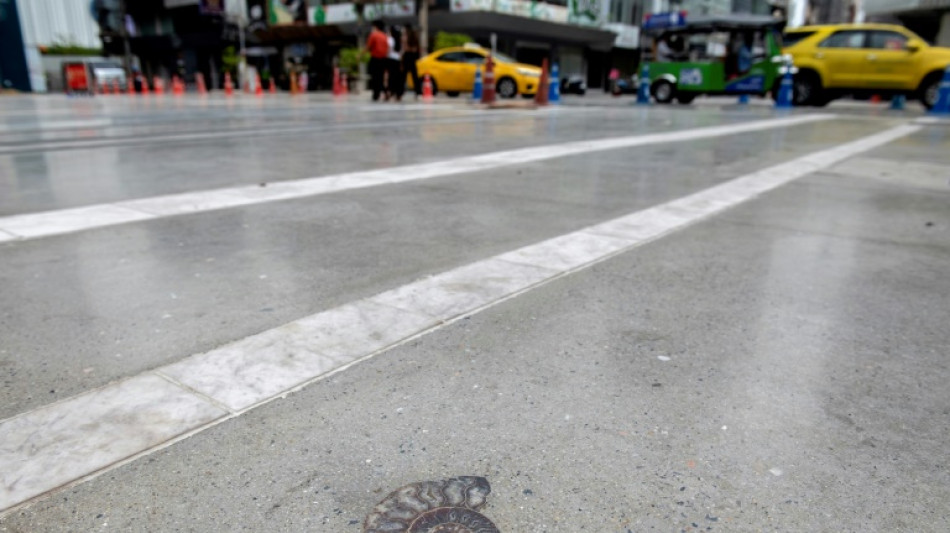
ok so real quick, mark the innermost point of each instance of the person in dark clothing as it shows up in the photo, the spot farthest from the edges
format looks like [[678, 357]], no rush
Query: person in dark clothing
[[410, 54], [397, 77], [378, 48]]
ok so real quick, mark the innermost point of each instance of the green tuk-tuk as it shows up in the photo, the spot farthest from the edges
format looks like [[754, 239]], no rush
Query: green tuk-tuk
[[732, 54]]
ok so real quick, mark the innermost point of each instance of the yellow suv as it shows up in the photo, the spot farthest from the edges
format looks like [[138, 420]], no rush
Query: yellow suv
[[864, 59], [453, 70]]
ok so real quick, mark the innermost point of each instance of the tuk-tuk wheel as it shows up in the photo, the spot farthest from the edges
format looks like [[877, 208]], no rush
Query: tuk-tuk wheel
[[663, 91]]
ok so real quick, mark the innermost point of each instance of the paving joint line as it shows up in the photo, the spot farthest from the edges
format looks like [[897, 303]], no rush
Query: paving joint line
[[158, 372]]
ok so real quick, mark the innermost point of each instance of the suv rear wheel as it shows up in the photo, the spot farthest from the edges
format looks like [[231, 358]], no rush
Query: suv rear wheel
[[930, 90], [807, 89]]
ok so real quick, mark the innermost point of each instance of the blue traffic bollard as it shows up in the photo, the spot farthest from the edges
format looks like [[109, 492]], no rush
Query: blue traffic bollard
[[942, 107], [784, 99], [898, 101], [743, 99], [643, 89], [477, 90], [554, 85]]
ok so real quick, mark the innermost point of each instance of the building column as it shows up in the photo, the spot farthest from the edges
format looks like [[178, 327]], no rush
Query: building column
[[796, 12], [943, 36]]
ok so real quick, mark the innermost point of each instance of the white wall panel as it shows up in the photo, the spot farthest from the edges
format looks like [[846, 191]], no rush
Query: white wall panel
[[47, 22]]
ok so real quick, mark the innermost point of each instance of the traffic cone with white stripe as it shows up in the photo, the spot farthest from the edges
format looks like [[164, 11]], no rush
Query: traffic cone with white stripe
[[643, 89], [784, 98], [942, 107], [488, 89], [427, 89], [478, 87], [541, 95], [554, 85]]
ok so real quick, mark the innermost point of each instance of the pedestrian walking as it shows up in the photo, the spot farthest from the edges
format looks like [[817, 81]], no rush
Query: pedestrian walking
[[410, 54], [378, 48], [396, 77]]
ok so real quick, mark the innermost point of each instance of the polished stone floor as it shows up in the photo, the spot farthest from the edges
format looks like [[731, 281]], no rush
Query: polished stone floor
[[625, 319]]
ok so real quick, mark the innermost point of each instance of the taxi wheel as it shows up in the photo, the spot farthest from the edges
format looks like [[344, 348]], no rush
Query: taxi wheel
[[452, 94], [663, 91], [506, 88]]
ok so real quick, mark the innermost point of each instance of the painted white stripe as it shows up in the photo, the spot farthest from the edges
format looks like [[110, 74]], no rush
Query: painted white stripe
[[79, 437], [48, 223]]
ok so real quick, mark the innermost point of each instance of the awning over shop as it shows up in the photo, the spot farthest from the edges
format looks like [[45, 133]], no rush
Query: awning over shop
[[480, 24], [297, 33]]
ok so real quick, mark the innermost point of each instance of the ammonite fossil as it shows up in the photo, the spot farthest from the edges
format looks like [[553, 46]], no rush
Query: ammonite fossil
[[448, 506]]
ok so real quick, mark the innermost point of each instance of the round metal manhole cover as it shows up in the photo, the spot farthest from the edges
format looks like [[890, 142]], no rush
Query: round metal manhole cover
[[447, 506]]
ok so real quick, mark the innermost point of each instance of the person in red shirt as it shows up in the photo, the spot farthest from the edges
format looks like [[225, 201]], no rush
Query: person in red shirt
[[378, 48]]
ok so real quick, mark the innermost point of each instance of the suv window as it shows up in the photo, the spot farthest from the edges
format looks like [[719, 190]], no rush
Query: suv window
[[453, 57], [844, 39], [474, 58], [793, 37], [888, 40]]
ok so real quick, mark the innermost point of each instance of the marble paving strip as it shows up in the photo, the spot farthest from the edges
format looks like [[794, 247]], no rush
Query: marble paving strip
[[80, 437], [36, 225], [244, 373], [54, 445]]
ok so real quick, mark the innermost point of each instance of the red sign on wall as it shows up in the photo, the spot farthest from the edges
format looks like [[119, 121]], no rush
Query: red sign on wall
[[77, 77]]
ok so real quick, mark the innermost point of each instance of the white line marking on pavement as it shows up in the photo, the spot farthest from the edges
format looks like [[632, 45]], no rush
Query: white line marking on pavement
[[43, 449], [81, 437], [35, 225]]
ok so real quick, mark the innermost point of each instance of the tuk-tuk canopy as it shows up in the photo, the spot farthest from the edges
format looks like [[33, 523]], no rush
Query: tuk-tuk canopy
[[710, 23]]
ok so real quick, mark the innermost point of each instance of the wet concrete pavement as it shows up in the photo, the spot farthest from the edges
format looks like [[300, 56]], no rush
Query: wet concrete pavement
[[777, 366]]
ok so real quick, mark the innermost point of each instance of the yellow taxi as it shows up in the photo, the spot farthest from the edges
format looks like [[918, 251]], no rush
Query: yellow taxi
[[453, 70], [863, 59]]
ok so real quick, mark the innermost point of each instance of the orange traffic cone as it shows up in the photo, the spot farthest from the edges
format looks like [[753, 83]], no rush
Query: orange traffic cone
[[158, 84], [258, 87], [104, 88], [131, 87], [337, 88], [200, 82], [178, 87], [273, 87], [427, 88], [228, 84], [115, 87], [144, 83], [541, 97], [488, 84], [344, 84], [875, 99]]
